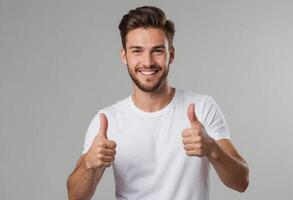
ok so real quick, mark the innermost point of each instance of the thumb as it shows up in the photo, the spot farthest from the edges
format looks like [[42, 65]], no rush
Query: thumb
[[103, 126], [191, 115]]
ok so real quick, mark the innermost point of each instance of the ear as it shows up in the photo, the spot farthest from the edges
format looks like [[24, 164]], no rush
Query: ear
[[123, 55], [172, 54]]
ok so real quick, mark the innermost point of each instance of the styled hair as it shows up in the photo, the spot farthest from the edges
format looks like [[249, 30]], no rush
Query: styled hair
[[146, 17]]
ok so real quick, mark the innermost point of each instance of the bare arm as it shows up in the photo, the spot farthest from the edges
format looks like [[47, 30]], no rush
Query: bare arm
[[229, 165], [82, 183]]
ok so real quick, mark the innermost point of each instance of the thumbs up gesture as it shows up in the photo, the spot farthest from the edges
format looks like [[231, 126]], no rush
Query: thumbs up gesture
[[102, 151], [195, 139]]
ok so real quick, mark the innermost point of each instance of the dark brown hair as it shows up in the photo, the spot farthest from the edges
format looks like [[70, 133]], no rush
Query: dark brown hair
[[146, 16]]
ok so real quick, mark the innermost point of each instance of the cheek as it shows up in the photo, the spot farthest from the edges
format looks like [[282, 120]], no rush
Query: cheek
[[132, 60], [163, 64], [132, 65], [163, 60]]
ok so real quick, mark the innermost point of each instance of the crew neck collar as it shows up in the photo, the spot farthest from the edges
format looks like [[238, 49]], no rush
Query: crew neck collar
[[155, 113]]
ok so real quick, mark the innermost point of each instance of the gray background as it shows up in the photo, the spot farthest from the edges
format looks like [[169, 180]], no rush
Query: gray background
[[60, 63]]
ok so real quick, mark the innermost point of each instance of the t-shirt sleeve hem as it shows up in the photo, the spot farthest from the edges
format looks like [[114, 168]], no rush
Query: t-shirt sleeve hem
[[220, 136]]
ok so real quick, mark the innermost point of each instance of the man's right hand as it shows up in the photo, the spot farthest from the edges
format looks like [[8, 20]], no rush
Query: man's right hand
[[102, 151]]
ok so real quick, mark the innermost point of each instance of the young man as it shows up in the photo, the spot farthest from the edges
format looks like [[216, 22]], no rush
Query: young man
[[160, 140]]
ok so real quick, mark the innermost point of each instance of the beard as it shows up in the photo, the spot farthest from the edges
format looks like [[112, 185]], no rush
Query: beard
[[153, 87]]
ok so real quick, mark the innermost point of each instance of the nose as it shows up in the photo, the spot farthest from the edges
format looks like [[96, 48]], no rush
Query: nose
[[148, 60]]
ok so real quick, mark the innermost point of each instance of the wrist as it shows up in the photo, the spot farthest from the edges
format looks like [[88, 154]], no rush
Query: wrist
[[86, 164], [212, 149]]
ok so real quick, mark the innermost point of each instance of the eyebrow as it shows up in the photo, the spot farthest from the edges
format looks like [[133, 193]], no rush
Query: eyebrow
[[135, 47], [159, 47], [155, 47]]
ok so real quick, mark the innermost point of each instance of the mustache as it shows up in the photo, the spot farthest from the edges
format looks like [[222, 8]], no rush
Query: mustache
[[152, 67]]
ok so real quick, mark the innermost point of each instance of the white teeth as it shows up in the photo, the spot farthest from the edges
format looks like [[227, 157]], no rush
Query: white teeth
[[148, 72]]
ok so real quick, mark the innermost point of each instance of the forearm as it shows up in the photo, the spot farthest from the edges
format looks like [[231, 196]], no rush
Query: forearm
[[82, 182], [233, 171]]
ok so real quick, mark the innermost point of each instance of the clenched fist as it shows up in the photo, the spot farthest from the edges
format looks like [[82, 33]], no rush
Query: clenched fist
[[195, 139], [102, 151]]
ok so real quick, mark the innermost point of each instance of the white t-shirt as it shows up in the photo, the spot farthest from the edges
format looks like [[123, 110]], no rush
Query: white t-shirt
[[150, 161]]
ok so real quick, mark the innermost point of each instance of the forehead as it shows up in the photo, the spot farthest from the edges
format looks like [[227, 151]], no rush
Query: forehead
[[146, 37]]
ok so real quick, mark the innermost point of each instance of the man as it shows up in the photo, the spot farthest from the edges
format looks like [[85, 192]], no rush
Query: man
[[160, 140]]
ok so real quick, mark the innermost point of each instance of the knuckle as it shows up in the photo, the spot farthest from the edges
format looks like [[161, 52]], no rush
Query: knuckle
[[194, 140], [100, 150], [196, 132], [101, 143], [114, 144], [185, 132], [113, 153], [200, 155], [189, 153], [200, 139], [100, 163], [100, 156], [199, 146], [193, 129]]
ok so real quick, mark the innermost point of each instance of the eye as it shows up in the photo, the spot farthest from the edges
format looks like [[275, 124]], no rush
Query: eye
[[136, 51], [158, 51]]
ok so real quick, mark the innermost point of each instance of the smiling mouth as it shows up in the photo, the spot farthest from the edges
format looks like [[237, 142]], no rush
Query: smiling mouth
[[148, 72]]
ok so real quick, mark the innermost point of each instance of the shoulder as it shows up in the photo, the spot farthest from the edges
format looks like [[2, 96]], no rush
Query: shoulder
[[189, 96], [111, 110], [203, 102]]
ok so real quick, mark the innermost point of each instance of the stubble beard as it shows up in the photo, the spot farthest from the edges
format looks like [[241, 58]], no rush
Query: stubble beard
[[145, 88]]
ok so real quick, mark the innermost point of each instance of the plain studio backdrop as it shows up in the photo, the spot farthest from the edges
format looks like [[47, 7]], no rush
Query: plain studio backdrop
[[60, 64]]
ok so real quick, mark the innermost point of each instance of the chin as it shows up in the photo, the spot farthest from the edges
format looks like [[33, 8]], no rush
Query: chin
[[152, 88]]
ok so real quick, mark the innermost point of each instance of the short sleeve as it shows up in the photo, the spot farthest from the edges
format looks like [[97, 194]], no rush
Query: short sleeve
[[214, 120], [91, 133]]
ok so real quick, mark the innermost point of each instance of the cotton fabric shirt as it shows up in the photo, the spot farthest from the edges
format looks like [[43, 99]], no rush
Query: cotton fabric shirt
[[150, 161]]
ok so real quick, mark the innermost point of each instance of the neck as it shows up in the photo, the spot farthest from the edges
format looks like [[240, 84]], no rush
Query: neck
[[153, 101]]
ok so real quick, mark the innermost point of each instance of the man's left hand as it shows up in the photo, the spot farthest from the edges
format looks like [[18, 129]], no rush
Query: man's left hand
[[195, 139]]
